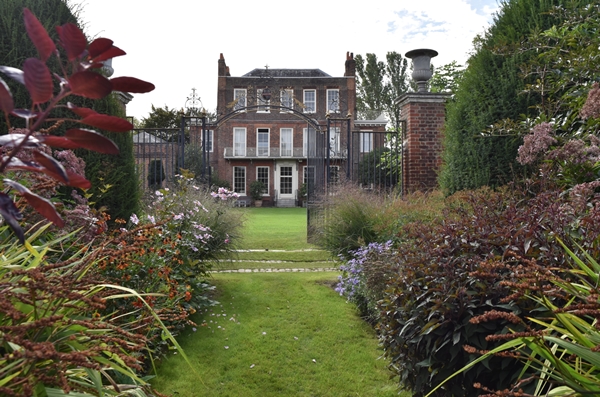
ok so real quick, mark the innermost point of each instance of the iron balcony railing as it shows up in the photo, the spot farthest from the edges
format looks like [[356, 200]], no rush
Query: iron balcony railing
[[275, 153]]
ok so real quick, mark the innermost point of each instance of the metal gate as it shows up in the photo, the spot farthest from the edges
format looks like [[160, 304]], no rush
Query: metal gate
[[161, 153]]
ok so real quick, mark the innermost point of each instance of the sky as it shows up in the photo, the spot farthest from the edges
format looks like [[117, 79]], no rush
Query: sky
[[176, 44]]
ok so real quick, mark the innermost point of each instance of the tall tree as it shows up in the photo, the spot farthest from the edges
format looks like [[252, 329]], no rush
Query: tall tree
[[162, 118], [380, 84]]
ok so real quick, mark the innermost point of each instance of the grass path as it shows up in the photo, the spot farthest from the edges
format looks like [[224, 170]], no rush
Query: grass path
[[277, 333]]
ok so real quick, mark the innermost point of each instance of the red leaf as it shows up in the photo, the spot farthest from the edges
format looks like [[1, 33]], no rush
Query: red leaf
[[76, 180], [81, 112], [99, 46], [38, 35], [58, 141], [51, 167], [92, 140], [112, 52], [38, 80], [73, 39], [131, 84], [6, 100], [40, 204], [109, 123], [90, 85]]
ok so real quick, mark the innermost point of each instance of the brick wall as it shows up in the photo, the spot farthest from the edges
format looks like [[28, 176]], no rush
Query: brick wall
[[424, 115]]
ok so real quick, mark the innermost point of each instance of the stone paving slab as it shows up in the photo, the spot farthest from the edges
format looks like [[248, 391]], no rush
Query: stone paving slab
[[269, 270]]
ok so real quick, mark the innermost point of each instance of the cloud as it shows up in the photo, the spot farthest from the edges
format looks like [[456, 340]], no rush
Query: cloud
[[177, 47]]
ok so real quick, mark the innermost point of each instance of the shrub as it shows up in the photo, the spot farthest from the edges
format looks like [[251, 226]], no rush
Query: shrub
[[426, 311], [52, 335]]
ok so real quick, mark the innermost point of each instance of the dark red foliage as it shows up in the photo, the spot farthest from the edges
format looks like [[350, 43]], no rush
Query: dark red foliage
[[83, 78]]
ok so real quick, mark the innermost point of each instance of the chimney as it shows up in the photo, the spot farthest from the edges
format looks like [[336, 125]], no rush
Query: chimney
[[350, 64], [223, 69]]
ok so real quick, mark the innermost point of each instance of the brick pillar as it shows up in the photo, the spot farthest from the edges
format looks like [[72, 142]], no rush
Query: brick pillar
[[424, 115]]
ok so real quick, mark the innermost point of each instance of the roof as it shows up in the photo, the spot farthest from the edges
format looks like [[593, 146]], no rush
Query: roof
[[266, 73], [144, 137], [380, 120]]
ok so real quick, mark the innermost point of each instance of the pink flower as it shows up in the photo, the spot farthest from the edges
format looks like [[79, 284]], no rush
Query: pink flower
[[535, 143], [134, 219]]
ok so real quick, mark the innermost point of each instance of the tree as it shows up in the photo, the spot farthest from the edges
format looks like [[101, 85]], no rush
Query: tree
[[162, 118], [492, 89], [446, 77], [380, 84]]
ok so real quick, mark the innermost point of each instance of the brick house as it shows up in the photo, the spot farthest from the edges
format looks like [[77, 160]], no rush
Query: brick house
[[273, 121]]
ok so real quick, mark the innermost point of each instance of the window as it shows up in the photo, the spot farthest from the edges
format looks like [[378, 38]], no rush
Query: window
[[287, 99], [309, 142], [285, 180], [308, 176], [334, 141], [310, 101], [239, 96], [286, 136], [334, 174], [239, 180], [333, 101], [263, 105], [262, 142], [366, 142], [239, 142], [209, 140], [262, 174]]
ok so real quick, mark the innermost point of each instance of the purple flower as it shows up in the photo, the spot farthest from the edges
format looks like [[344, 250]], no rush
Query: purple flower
[[134, 219]]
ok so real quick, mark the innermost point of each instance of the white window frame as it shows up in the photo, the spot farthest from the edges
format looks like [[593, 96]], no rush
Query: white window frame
[[310, 105], [333, 101], [335, 138], [287, 99], [239, 142], [263, 180], [242, 186], [263, 105], [210, 140], [260, 131], [286, 152], [366, 137], [313, 143], [240, 96]]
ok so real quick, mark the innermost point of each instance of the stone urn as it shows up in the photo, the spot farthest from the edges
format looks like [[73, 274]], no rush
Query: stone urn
[[421, 59]]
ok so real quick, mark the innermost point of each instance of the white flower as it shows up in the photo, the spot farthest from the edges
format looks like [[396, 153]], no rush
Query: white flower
[[134, 219]]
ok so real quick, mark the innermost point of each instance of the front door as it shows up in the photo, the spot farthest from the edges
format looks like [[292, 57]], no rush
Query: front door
[[286, 181]]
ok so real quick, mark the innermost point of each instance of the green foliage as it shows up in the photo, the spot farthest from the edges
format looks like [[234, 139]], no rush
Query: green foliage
[[379, 167], [379, 85], [115, 181], [493, 88], [446, 78], [257, 189], [162, 118]]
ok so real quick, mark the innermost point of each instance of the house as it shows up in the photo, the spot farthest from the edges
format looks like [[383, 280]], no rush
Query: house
[[289, 128]]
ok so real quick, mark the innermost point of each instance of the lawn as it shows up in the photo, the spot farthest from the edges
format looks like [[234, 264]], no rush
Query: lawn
[[278, 334], [275, 229]]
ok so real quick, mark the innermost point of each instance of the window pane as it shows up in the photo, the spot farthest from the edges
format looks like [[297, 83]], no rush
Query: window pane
[[366, 142], [285, 180], [262, 142], [310, 101], [239, 141], [263, 104], [239, 95], [239, 180], [262, 174], [287, 99], [286, 142], [333, 101]]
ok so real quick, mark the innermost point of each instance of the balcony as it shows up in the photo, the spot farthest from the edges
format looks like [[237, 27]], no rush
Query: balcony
[[275, 153]]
